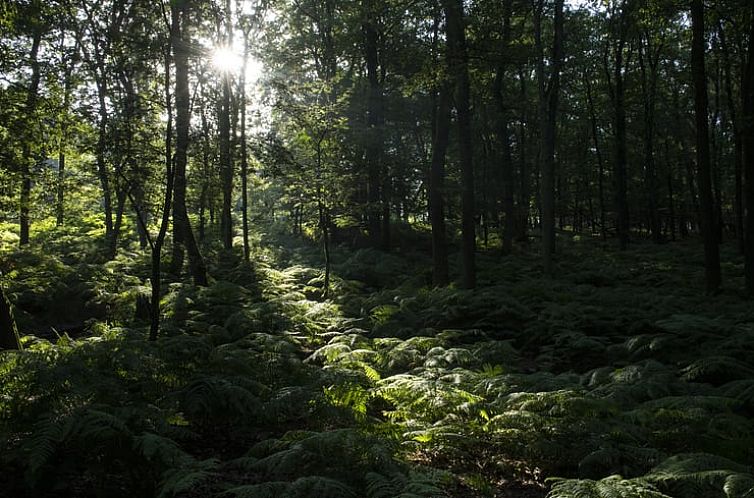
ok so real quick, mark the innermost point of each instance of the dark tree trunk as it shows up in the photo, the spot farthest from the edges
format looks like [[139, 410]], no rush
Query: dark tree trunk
[[375, 121], [458, 68], [523, 173], [8, 332], [748, 163], [63, 144], [156, 278], [649, 56], [181, 223], [706, 208], [598, 151], [503, 132], [104, 175], [437, 189], [226, 152], [26, 159], [738, 207], [549, 139], [244, 156], [620, 21]]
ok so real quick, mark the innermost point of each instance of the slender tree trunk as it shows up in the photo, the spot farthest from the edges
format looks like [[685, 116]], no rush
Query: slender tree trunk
[[620, 20], [226, 152], [111, 248], [738, 207], [671, 206], [503, 132], [181, 223], [748, 162], [707, 216], [440, 276], [244, 155], [649, 92], [600, 162], [374, 121], [26, 159], [523, 173], [9, 338], [156, 279], [549, 140], [63, 144], [458, 68], [104, 176]]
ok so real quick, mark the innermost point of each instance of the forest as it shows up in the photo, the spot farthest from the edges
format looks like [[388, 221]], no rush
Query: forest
[[377, 248]]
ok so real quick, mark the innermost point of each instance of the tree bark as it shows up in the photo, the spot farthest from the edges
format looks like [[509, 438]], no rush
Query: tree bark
[[457, 58], [375, 121], [549, 140], [244, 155], [226, 152], [649, 56], [600, 162], [182, 225], [9, 338], [738, 206], [748, 162], [704, 175], [63, 144], [26, 160], [506, 161], [618, 97], [440, 276]]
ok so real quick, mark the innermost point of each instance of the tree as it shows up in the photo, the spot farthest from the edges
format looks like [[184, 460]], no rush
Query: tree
[[37, 30], [180, 41], [457, 60], [620, 24], [704, 175], [650, 51], [549, 136], [8, 330], [748, 160]]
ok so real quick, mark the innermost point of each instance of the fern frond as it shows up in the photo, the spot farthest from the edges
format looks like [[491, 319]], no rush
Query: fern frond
[[609, 487]]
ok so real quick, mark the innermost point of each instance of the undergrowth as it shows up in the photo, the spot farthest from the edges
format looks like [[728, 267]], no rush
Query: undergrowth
[[622, 382]]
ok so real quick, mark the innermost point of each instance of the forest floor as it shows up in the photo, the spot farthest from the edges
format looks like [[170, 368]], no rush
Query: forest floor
[[618, 375]]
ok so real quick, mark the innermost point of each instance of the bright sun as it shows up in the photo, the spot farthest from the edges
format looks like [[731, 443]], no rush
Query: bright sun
[[226, 60], [229, 61]]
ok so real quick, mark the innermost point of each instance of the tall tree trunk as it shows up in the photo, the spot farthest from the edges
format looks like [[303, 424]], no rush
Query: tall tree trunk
[[226, 152], [244, 155], [8, 331], [704, 174], [738, 207], [437, 188], [104, 176], [600, 162], [156, 279], [63, 144], [503, 132], [458, 68], [649, 56], [549, 139], [619, 104], [182, 225], [26, 159], [523, 172], [748, 163], [375, 122]]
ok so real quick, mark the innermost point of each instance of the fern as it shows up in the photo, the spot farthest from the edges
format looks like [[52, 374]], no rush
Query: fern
[[701, 473], [188, 477], [609, 487]]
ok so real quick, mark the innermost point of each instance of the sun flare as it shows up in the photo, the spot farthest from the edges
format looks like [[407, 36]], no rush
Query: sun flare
[[226, 60], [229, 61]]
